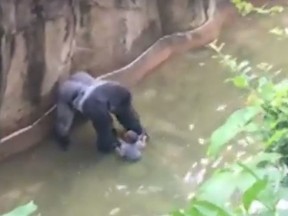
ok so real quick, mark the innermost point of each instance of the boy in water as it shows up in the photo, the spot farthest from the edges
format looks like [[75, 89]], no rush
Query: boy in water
[[130, 147]]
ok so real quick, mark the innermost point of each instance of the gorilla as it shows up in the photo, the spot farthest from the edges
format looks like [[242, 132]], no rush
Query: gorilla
[[96, 100]]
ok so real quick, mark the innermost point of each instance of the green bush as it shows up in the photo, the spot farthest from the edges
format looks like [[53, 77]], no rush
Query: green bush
[[239, 188], [256, 185]]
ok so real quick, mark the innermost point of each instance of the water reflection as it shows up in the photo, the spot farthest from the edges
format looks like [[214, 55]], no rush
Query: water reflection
[[180, 105]]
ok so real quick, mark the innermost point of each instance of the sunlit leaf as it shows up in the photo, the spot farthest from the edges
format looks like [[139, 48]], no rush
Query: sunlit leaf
[[277, 135], [282, 212], [214, 186], [264, 156], [240, 82], [252, 193], [276, 31], [248, 170], [179, 213], [233, 126], [246, 70], [253, 99], [277, 8], [266, 89], [211, 207], [282, 86], [251, 127], [24, 210], [242, 65], [195, 211]]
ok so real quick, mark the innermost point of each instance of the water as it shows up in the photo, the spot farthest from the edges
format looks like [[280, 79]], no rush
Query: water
[[180, 104]]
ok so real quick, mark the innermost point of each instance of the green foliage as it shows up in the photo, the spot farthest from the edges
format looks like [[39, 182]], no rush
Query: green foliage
[[24, 210], [235, 124], [254, 186], [267, 102], [232, 191], [245, 8], [281, 33]]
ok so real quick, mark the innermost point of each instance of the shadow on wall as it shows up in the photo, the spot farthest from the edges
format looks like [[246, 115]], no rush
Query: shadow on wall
[[1, 71]]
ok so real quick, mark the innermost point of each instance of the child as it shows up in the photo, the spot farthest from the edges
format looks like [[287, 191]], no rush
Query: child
[[130, 147], [132, 138]]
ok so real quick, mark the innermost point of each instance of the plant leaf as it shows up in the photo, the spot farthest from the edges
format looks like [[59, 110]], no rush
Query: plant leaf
[[252, 193], [210, 208], [240, 81], [232, 127], [24, 210]]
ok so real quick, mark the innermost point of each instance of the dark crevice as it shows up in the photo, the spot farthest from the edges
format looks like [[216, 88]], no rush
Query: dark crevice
[[162, 15], [84, 12], [12, 46], [118, 3], [206, 6], [1, 63], [7, 46], [67, 30], [35, 41], [70, 23], [1, 68]]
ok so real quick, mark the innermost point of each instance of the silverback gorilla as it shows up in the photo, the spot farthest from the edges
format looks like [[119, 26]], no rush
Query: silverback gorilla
[[95, 99]]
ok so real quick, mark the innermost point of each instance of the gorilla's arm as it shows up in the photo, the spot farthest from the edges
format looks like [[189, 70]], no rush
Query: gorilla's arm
[[129, 119], [120, 104], [63, 124], [102, 121]]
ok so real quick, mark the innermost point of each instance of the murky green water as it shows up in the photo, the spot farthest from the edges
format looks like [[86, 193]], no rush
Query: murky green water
[[180, 104]]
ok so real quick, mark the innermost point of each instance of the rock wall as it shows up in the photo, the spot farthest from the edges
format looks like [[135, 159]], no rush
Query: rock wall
[[112, 33], [40, 38], [36, 47], [182, 15]]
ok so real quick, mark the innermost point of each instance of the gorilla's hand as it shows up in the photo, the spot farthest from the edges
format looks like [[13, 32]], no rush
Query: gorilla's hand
[[62, 141], [107, 144]]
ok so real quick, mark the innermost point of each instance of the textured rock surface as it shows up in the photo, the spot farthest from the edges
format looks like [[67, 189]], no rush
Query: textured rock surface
[[113, 33], [39, 39], [182, 15], [36, 47]]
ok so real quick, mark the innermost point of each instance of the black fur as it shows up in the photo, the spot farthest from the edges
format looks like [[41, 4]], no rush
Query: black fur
[[106, 98]]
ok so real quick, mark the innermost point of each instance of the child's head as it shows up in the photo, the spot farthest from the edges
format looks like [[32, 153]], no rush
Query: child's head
[[131, 137]]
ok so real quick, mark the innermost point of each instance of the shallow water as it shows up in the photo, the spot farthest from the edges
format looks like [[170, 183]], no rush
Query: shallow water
[[180, 105]]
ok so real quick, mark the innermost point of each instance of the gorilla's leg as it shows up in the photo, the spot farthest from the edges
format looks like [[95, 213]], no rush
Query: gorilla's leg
[[103, 124]]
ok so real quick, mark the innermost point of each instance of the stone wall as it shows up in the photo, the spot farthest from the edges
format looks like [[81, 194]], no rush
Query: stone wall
[[113, 33], [36, 47], [39, 40]]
